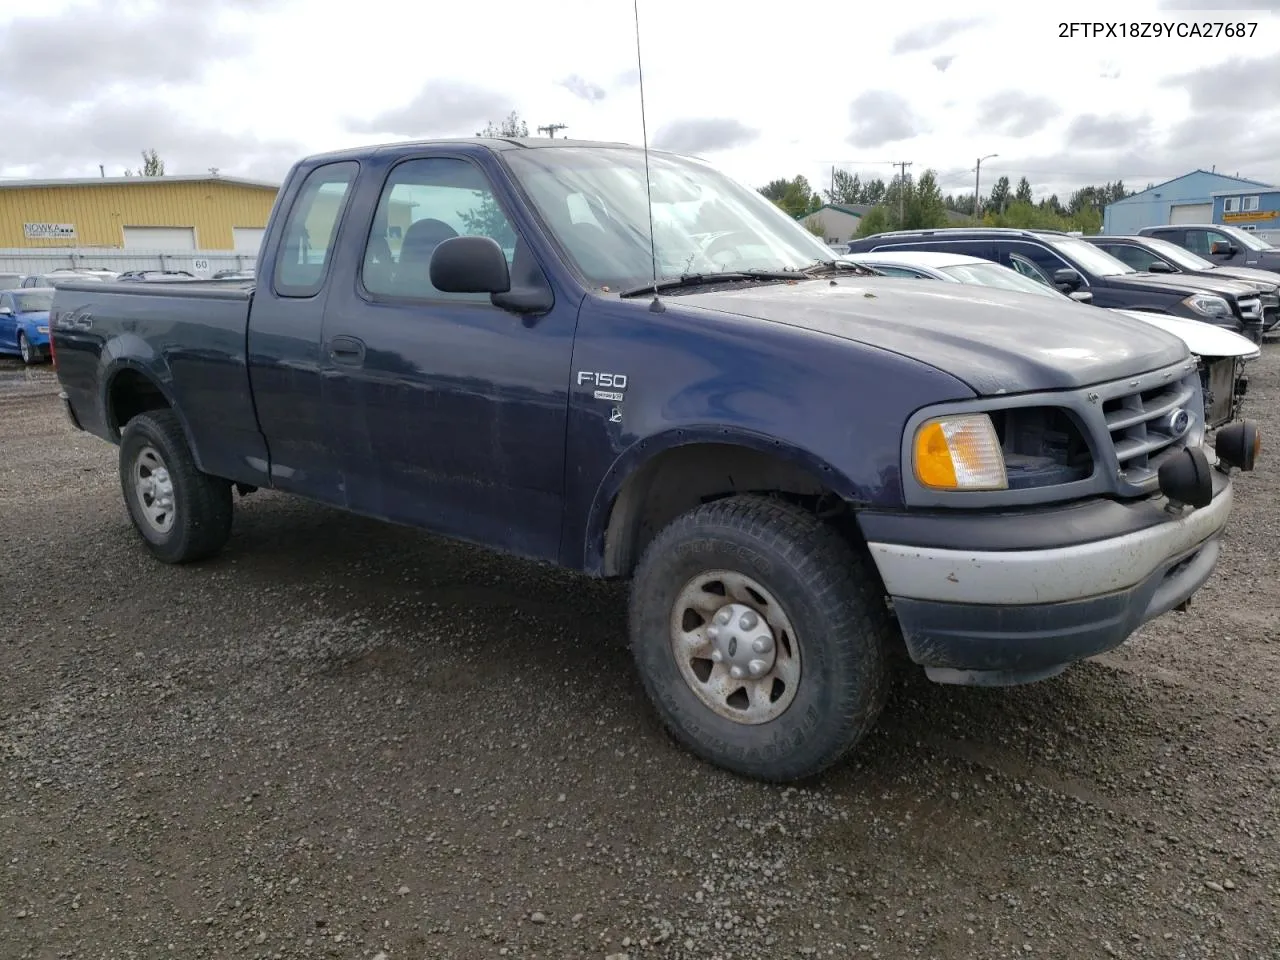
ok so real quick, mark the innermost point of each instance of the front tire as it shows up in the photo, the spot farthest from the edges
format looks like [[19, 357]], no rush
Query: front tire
[[30, 355], [181, 514], [761, 637]]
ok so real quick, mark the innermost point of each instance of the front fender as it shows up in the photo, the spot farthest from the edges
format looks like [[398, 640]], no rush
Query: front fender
[[643, 452]]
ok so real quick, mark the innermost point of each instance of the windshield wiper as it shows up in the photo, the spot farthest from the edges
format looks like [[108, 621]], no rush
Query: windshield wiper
[[819, 267], [699, 279]]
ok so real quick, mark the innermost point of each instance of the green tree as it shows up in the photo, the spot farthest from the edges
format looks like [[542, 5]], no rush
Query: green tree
[[874, 191], [875, 221], [846, 188], [999, 198], [925, 207], [152, 165], [510, 126], [795, 196], [1023, 193]]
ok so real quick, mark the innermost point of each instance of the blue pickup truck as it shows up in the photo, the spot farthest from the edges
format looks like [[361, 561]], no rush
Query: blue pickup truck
[[802, 468]]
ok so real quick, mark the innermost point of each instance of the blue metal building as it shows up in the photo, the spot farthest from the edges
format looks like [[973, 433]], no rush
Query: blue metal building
[[1248, 209], [1189, 198]]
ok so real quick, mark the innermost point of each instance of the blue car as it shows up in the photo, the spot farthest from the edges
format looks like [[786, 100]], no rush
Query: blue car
[[24, 323]]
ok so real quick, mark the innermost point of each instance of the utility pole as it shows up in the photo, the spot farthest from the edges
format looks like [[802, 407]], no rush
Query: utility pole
[[902, 192], [551, 128], [977, 181]]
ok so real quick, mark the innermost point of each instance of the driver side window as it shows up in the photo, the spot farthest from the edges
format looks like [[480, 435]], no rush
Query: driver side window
[[1136, 257], [425, 202], [1028, 269]]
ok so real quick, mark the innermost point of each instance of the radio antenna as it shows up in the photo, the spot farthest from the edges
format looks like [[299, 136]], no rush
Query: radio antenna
[[656, 306]]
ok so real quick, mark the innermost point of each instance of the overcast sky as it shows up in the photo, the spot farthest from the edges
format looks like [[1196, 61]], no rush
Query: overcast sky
[[763, 91]]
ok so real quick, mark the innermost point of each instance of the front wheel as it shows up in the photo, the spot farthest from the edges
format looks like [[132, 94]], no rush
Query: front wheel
[[30, 355], [761, 636], [182, 514]]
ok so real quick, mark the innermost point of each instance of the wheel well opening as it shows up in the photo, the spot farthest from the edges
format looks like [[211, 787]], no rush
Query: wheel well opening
[[684, 477], [131, 393]]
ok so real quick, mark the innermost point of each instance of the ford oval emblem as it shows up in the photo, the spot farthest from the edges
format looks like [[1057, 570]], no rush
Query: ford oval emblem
[[1178, 423]]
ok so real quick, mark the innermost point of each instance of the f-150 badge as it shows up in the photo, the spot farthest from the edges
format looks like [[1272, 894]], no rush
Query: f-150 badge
[[609, 386]]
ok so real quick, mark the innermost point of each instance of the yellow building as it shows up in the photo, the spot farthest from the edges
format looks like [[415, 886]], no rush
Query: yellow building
[[136, 213]]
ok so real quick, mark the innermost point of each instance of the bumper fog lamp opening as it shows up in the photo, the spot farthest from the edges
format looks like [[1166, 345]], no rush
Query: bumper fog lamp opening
[[1185, 478], [1238, 444]]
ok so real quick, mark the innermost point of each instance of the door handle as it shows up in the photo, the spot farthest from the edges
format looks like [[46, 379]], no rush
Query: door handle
[[347, 350]]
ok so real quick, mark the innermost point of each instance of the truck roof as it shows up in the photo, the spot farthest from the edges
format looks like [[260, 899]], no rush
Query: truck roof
[[496, 144]]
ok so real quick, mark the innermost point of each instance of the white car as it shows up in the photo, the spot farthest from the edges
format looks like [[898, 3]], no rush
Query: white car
[[1222, 353]]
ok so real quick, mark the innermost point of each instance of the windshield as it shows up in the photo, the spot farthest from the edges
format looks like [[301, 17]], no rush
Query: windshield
[[33, 302], [593, 200], [994, 275], [1245, 238], [1176, 254], [1095, 261], [10, 281]]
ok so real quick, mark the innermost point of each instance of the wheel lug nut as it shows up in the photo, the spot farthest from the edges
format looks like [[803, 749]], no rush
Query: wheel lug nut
[[713, 631], [723, 617], [748, 621], [735, 672], [756, 667], [761, 644], [717, 656]]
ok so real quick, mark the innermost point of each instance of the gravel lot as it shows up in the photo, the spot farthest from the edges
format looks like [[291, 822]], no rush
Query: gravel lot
[[342, 739]]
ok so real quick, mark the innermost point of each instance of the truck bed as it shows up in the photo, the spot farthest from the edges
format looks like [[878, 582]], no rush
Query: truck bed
[[189, 336]]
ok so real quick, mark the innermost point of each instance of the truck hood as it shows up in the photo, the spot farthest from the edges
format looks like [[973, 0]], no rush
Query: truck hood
[[1251, 274], [1202, 339], [996, 341], [1184, 283]]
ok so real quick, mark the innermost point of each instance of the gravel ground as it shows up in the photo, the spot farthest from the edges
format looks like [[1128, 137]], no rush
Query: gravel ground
[[347, 740]]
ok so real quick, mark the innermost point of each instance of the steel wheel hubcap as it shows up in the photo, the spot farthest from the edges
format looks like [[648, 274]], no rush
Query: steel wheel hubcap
[[735, 647], [153, 488]]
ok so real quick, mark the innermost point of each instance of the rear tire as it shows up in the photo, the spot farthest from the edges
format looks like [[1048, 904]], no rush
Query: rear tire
[[818, 609], [181, 514]]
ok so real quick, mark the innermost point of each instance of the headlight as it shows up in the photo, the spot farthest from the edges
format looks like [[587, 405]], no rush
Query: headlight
[[1207, 305], [42, 329], [959, 452]]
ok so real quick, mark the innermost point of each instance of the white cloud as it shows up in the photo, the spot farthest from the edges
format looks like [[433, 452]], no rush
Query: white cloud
[[266, 77]]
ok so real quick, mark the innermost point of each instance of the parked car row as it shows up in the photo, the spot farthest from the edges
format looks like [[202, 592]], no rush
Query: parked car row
[[1081, 268]]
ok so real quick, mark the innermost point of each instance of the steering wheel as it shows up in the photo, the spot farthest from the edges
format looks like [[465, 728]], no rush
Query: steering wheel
[[723, 243]]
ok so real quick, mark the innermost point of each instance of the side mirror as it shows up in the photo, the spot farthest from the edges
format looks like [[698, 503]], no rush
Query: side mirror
[[469, 265], [1068, 278], [1159, 266], [1081, 296], [6, 311], [478, 265], [1222, 248]]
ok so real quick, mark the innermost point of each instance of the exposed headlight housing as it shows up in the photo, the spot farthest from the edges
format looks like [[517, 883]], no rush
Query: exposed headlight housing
[[1208, 305], [959, 452]]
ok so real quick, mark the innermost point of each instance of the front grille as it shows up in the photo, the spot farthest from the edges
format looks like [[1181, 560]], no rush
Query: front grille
[[1269, 300], [1142, 430], [1250, 308]]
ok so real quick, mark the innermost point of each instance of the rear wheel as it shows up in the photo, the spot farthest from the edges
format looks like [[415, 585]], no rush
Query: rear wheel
[[761, 637], [182, 514]]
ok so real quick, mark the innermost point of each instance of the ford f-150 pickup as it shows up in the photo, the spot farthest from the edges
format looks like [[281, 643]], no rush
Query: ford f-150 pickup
[[631, 366]]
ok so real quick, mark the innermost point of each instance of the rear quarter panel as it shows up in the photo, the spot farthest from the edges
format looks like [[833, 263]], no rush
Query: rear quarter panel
[[187, 339]]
